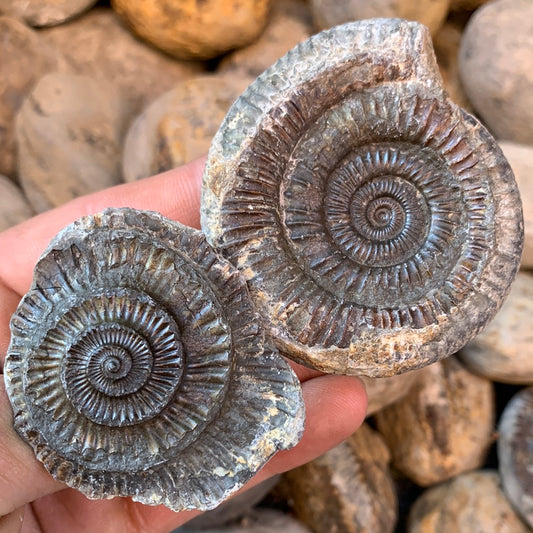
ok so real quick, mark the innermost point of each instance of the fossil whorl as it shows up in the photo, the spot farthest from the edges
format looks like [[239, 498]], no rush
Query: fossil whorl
[[378, 225], [136, 367]]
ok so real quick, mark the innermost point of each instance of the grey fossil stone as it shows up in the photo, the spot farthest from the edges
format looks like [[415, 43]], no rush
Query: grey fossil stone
[[515, 453], [378, 225], [136, 367]]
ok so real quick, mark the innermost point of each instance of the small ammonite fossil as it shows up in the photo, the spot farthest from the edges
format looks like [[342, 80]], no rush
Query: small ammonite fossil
[[377, 224], [515, 453], [136, 366]]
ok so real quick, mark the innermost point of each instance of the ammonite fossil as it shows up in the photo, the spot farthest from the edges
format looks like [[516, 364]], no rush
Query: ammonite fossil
[[137, 368], [377, 224], [515, 452]]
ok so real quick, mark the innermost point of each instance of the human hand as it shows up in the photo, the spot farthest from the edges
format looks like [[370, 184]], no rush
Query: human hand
[[30, 499]]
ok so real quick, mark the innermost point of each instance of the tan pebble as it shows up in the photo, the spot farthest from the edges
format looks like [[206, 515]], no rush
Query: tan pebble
[[141, 72], [288, 25], [347, 489], [496, 67], [24, 58], [178, 126], [446, 43], [69, 135], [443, 426], [504, 350], [520, 157], [44, 12], [14, 208], [260, 520], [470, 503], [385, 391], [188, 29], [328, 13]]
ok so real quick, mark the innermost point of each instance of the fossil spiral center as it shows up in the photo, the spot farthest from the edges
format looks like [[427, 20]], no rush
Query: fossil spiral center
[[123, 367]]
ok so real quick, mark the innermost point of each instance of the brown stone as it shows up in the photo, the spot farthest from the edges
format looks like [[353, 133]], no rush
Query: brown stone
[[348, 489], [69, 134], [44, 12], [255, 521], [14, 208], [25, 57], [443, 426], [179, 126], [328, 13], [446, 43], [385, 391], [466, 5], [496, 67], [470, 503], [504, 350], [188, 29], [100, 46], [288, 25], [520, 157]]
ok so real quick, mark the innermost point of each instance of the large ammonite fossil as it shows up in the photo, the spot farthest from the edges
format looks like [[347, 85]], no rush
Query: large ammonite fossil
[[378, 225], [137, 368]]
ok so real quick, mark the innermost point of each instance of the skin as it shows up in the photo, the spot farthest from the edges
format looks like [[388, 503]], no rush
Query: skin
[[30, 500]]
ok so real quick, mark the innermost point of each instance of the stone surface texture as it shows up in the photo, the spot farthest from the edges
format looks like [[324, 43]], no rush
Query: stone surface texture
[[504, 350], [515, 452], [328, 13], [447, 42], [25, 57], [443, 426], [256, 521], [348, 489], [178, 126], [44, 12], [496, 67], [69, 132], [378, 224], [141, 72], [136, 366], [188, 29], [388, 390], [14, 208], [288, 25], [520, 157], [470, 503]]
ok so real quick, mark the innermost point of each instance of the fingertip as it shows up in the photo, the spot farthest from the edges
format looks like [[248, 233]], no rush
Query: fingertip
[[335, 408]]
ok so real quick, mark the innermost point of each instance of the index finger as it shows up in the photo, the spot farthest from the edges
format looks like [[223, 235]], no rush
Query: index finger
[[175, 194]]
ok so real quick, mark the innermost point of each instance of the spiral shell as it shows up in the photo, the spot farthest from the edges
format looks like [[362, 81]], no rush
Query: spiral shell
[[378, 225], [136, 367]]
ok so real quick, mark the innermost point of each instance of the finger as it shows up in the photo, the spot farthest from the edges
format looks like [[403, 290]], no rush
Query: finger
[[22, 477], [335, 408], [12, 523], [175, 194], [304, 373]]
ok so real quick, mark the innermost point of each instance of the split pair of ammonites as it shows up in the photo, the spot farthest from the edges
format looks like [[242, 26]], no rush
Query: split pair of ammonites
[[355, 219]]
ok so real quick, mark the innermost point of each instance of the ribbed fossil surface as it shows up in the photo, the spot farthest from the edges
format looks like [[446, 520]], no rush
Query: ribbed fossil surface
[[136, 367], [378, 225]]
